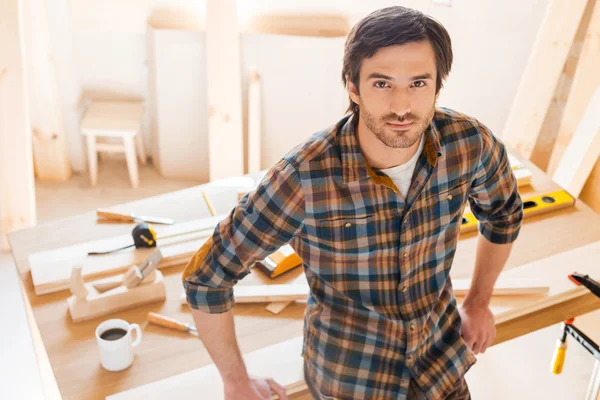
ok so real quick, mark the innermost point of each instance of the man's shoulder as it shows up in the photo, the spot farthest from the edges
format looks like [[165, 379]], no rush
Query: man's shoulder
[[449, 119], [317, 145], [454, 125]]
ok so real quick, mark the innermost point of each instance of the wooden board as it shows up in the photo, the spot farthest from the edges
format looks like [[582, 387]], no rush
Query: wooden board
[[225, 131], [254, 121], [17, 198], [51, 270], [590, 194], [49, 139], [283, 362], [583, 151], [586, 79], [299, 291], [315, 25], [541, 75], [566, 301]]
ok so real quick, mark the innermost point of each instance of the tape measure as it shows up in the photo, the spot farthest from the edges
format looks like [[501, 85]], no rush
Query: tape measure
[[143, 235]]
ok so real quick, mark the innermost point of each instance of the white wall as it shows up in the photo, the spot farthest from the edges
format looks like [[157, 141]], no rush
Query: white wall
[[491, 41]]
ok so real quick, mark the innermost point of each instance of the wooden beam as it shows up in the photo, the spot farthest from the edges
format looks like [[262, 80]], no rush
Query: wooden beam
[[254, 122], [49, 139], [541, 74], [224, 84], [299, 291], [582, 152], [546, 312], [17, 192], [590, 194], [585, 81], [554, 113], [310, 25]]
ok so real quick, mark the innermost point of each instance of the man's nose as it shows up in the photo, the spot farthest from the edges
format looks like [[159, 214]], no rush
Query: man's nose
[[400, 104]]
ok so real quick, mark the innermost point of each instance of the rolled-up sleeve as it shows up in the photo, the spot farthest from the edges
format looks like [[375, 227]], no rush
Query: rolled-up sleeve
[[494, 197], [263, 221]]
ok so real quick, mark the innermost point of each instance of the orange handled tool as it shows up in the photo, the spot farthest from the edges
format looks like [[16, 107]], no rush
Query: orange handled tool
[[171, 323]]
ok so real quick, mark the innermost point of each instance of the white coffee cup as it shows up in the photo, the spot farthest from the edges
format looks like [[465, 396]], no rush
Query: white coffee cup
[[115, 340]]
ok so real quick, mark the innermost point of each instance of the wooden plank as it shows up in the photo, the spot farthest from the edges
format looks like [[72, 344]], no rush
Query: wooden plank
[[565, 300], [554, 113], [590, 194], [314, 25], [17, 192], [523, 177], [51, 270], [286, 368], [68, 79], [224, 84], [557, 308], [585, 81], [582, 152], [49, 138], [299, 291], [254, 122], [541, 75]]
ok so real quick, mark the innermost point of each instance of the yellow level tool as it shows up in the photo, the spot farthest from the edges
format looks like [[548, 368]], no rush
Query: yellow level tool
[[535, 205]]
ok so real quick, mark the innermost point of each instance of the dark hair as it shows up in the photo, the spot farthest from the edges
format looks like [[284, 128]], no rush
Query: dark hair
[[394, 26]]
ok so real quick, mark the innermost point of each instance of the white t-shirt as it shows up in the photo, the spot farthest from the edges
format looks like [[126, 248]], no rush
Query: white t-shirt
[[402, 174]]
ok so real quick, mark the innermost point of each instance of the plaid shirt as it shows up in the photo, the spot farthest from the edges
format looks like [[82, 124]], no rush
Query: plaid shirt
[[381, 309]]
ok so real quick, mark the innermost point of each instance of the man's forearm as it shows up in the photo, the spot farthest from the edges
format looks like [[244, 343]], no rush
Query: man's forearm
[[217, 332], [489, 262]]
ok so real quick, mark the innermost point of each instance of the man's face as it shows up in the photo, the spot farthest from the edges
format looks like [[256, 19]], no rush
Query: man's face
[[397, 93]]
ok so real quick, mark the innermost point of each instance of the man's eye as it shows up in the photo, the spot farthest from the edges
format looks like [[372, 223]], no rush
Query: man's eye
[[381, 84], [418, 83]]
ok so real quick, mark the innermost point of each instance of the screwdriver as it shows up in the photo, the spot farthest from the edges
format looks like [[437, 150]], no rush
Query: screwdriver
[[171, 323]]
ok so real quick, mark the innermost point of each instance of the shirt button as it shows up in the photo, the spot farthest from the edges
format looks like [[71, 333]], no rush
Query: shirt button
[[409, 358], [412, 327], [449, 197], [404, 289], [348, 225], [404, 255]]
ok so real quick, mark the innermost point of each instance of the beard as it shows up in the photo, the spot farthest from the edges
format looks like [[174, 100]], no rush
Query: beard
[[396, 138]]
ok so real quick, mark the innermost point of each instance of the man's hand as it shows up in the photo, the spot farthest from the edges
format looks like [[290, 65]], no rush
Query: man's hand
[[255, 389], [478, 328]]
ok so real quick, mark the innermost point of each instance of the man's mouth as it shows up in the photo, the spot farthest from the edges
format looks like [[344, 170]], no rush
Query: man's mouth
[[398, 125]]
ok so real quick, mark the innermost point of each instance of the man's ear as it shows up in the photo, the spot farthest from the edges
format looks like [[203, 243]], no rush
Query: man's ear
[[353, 91]]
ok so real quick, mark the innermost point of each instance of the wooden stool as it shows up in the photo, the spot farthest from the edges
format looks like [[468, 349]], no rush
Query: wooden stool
[[122, 119]]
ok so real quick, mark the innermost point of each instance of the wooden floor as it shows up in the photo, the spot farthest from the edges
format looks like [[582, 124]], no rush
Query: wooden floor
[[518, 369]]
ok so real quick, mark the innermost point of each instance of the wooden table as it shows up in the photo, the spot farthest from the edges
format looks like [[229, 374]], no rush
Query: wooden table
[[72, 350]]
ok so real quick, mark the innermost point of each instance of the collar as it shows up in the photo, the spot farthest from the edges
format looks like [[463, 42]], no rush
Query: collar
[[355, 167]]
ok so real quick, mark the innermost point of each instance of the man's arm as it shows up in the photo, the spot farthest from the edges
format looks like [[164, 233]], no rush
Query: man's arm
[[478, 328], [217, 332], [494, 200], [263, 221]]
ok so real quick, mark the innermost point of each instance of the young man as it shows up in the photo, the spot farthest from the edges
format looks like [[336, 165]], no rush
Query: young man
[[373, 206]]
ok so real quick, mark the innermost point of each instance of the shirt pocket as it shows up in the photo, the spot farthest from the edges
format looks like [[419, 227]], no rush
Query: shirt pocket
[[445, 208], [346, 229]]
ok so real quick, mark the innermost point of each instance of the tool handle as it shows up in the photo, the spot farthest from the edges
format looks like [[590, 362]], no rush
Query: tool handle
[[114, 216], [167, 322], [558, 358]]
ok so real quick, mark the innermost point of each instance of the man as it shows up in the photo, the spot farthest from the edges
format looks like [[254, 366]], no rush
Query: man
[[373, 206]]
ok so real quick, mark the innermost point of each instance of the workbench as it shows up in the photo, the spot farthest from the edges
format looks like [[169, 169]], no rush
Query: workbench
[[72, 350]]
